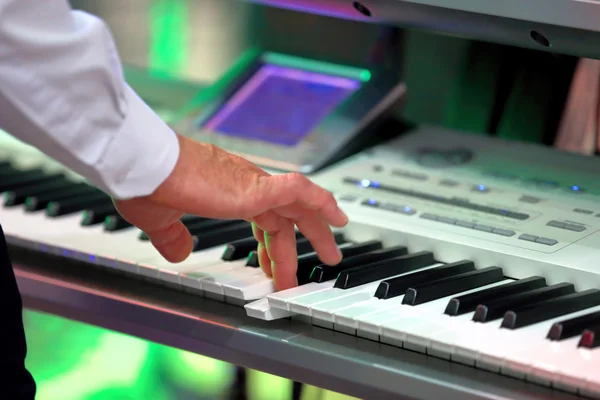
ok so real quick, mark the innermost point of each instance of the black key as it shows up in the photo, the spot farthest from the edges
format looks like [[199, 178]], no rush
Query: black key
[[12, 172], [97, 215], [26, 179], [239, 249], [590, 339], [223, 235], [515, 319], [114, 223], [572, 327], [399, 285], [77, 204], [303, 247], [18, 196], [355, 255], [198, 225], [251, 255], [455, 284], [469, 302], [383, 269], [39, 202], [496, 308]]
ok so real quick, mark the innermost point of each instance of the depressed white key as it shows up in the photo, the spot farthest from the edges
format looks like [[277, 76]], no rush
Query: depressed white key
[[282, 299], [262, 310]]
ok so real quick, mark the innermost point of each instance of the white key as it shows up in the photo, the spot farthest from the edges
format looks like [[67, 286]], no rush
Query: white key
[[195, 277], [345, 319], [171, 273], [502, 344], [304, 304], [415, 335], [262, 310], [518, 361], [250, 288], [282, 299]]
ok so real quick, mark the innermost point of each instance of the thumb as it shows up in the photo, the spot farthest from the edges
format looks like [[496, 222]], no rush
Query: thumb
[[173, 242]]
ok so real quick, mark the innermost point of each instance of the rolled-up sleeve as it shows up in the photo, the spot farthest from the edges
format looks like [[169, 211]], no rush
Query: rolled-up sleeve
[[62, 91]]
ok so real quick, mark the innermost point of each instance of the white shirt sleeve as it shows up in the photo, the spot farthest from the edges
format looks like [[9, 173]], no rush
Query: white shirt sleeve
[[62, 91]]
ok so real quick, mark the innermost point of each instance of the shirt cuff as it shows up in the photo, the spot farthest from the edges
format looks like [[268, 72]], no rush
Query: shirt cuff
[[141, 155]]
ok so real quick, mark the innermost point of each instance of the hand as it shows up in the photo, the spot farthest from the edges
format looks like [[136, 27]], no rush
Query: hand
[[209, 182]]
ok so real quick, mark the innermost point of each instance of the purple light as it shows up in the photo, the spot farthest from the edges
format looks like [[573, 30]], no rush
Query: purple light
[[279, 104]]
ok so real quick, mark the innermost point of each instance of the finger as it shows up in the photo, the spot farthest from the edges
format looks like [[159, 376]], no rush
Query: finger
[[280, 240], [282, 190], [258, 233], [320, 237], [282, 252], [263, 259], [316, 231], [174, 242]]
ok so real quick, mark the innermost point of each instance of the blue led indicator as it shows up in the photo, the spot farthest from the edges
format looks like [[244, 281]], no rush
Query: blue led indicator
[[375, 184], [93, 258], [365, 183], [407, 209], [481, 188], [372, 201], [575, 188]]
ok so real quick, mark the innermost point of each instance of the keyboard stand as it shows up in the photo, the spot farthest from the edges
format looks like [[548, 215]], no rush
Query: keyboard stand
[[288, 348]]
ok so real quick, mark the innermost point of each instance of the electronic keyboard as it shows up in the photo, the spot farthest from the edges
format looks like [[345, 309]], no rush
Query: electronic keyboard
[[465, 248]]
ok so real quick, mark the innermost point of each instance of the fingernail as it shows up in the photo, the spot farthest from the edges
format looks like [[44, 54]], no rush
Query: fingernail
[[343, 215]]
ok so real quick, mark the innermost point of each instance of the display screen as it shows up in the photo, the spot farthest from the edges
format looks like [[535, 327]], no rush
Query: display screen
[[281, 105]]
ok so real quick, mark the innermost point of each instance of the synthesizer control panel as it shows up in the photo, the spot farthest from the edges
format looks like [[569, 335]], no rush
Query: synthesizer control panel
[[514, 199]]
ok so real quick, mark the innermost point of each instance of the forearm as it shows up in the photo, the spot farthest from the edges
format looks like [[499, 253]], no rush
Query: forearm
[[62, 91]]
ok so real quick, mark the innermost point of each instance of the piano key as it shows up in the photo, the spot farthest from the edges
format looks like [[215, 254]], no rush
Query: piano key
[[351, 252], [239, 249], [221, 236], [495, 309], [28, 178], [250, 286], [200, 226], [394, 287], [590, 338], [503, 349], [354, 256], [452, 285], [41, 201], [468, 303], [321, 305], [525, 316], [569, 328], [383, 269], [18, 196], [97, 214], [411, 328], [261, 309], [508, 352], [114, 223], [76, 204], [12, 172]]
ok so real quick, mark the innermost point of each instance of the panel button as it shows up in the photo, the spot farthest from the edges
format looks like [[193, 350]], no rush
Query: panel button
[[410, 175], [530, 199], [504, 232], [484, 228], [480, 189], [370, 203], [348, 198], [556, 224], [583, 211], [377, 168], [465, 224], [529, 238], [429, 216], [573, 227], [448, 183], [546, 241], [406, 210], [447, 220]]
